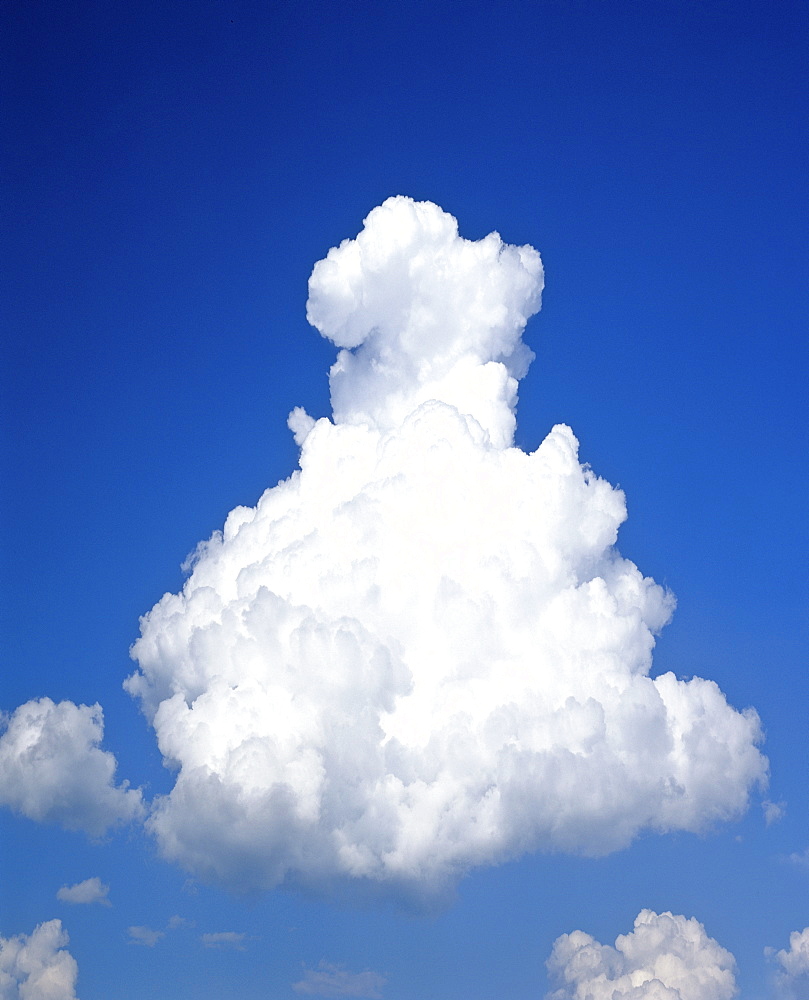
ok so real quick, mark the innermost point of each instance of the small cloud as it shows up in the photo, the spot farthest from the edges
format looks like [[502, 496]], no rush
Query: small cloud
[[145, 936], [792, 978], [53, 770], [800, 858], [665, 956], [773, 811], [91, 890], [175, 923], [329, 980], [224, 939], [38, 965]]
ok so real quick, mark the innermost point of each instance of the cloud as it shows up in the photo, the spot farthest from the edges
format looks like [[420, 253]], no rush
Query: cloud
[[38, 966], [329, 980], [774, 812], [665, 957], [224, 939], [792, 978], [91, 890], [176, 922], [800, 858], [422, 652], [145, 936], [53, 770]]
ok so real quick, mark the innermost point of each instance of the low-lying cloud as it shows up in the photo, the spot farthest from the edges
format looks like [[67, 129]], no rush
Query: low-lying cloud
[[38, 966], [423, 652], [53, 770], [665, 957]]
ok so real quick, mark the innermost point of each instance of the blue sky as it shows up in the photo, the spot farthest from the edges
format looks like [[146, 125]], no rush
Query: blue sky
[[173, 173]]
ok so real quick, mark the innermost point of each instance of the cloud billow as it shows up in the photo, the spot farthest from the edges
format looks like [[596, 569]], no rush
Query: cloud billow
[[53, 770], [38, 966], [664, 957], [422, 652]]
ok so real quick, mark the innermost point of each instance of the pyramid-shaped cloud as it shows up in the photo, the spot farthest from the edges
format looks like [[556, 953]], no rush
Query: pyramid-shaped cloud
[[422, 652]]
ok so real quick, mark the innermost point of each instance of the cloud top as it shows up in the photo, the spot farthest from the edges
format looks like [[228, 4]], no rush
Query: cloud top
[[53, 770], [38, 966], [665, 957], [423, 652], [421, 313]]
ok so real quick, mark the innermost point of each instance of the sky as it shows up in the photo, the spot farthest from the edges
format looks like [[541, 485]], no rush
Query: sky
[[404, 445]]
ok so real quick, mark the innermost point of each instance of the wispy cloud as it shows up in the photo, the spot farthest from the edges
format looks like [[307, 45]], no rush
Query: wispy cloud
[[800, 858], [329, 980], [91, 890], [224, 939], [773, 811], [144, 935]]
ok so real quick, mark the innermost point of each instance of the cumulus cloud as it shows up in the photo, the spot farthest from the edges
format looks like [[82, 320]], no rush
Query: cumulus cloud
[[37, 966], [329, 980], [91, 890], [53, 770], [422, 652], [792, 978], [224, 939], [144, 935], [665, 957]]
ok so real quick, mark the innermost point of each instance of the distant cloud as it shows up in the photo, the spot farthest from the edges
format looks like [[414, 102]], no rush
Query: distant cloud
[[422, 652], [792, 978], [175, 923], [329, 980], [665, 957], [224, 939], [38, 966], [801, 859], [53, 770], [145, 936], [91, 890], [773, 811]]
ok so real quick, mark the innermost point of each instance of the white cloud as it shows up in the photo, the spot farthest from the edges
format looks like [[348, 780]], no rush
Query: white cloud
[[144, 935], [91, 890], [224, 939], [801, 859], [792, 978], [774, 812], [665, 957], [329, 980], [38, 966], [176, 922], [423, 652], [52, 768]]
